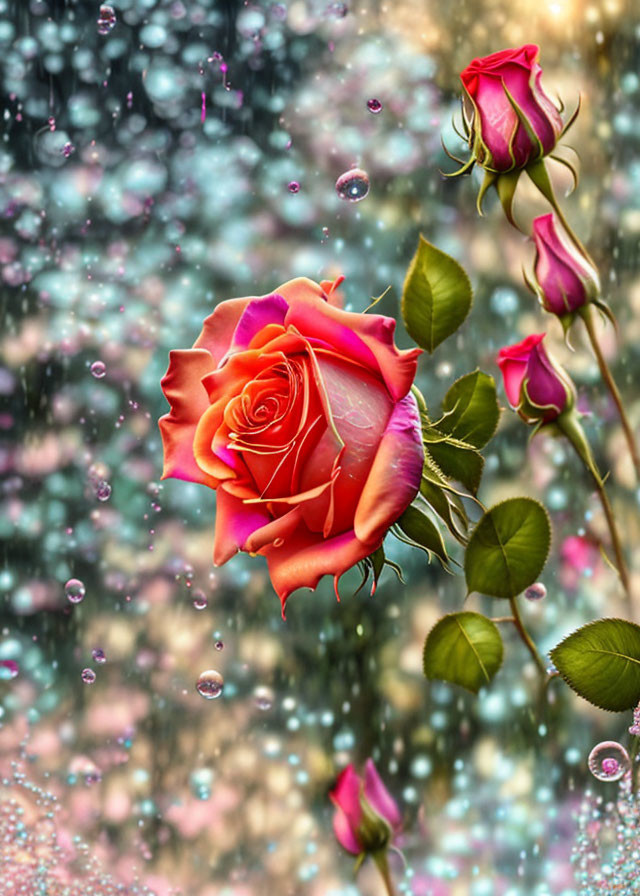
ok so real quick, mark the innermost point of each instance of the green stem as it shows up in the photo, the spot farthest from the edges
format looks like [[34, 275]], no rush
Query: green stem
[[586, 313], [380, 858], [525, 637], [569, 424], [634, 746], [540, 177]]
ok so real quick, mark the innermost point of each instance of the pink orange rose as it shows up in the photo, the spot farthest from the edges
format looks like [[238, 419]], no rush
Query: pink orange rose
[[300, 416]]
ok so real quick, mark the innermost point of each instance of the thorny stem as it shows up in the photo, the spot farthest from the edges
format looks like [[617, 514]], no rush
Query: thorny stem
[[586, 314]]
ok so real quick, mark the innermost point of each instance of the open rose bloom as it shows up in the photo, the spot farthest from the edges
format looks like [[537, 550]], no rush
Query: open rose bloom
[[537, 387], [300, 415], [511, 120]]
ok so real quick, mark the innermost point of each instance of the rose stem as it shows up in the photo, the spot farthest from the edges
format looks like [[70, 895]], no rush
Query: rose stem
[[570, 426], [586, 314], [526, 637], [383, 867]]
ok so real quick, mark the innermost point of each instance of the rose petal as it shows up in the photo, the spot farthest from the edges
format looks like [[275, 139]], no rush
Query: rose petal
[[346, 796], [379, 797], [280, 528], [235, 522], [305, 557], [182, 386], [512, 361], [395, 474], [218, 328], [344, 835], [365, 339], [258, 314]]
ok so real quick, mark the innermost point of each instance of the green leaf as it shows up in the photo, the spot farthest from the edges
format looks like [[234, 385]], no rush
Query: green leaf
[[463, 648], [462, 463], [601, 662], [508, 548], [423, 532], [447, 506], [436, 296], [471, 409]]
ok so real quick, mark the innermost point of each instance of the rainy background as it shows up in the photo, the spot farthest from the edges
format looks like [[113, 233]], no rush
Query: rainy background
[[160, 157]]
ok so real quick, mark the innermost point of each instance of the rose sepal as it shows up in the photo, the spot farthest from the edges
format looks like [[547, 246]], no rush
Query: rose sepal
[[568, 423]]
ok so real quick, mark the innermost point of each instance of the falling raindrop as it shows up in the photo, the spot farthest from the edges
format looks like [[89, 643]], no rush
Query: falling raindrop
[[106, 19], [263, 698], [103, 490], [536, 591], [210, 684], [294, 187], [88, 676], [199, 599], [75, 590], [98, 369], [608, 761], [99, 655], [353, 185], [374, 105]]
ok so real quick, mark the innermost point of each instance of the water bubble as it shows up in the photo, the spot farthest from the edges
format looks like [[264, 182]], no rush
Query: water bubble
[[75, 590], [103, 490], [263, 698], [219, 645], [294, 187], [99, 655], [98, 369], [210, 684], [353, 185], [8, 669], [608, 761], [88, 676], [106, 19], [199, 599], [537, 591], [374, 105]]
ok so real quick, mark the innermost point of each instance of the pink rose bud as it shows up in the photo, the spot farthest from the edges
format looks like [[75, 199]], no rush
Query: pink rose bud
[[511, 120], [564, 280], [538, 388], [367, 817]]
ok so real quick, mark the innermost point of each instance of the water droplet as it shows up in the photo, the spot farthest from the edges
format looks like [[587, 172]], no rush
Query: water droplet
[[374, 105], [263, 698], [536, 591], [75, 590], [98, 369], [199, 599], [353, 185], [106, 19], [8, 669], [337, 10], [210, 684], [103, 490], [67, 149], [218, 645], [294, 187], [608, 761], [88, 676], [99, 655]]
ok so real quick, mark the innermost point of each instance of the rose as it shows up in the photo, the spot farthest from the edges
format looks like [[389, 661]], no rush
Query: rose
[[564, 280], [299, 414], [366, 816], [538, 388], [512, 121]]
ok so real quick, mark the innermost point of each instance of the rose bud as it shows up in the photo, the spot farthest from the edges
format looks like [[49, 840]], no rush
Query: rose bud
[[538, 388], [300, 416], [510, 120], [366, 818], [563, 279]]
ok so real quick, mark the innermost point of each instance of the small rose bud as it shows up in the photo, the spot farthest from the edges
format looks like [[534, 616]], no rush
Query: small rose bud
[[538, 388], [511, 121], [564, 279], [366, 817]]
